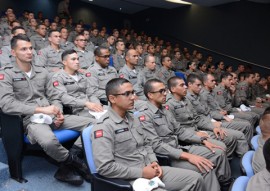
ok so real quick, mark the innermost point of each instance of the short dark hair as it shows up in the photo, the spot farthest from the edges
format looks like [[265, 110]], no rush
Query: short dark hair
[[97, 51], [248, 74], [266, 154], [172, 82], [40, 24], [266, 111], [148, 86], [16, 28], [241, 74], [146, 58], [189, 63], [51, 31], [66, 53], [193, 77], [113, 85], [225, 75], [163, 58], [15, 39]]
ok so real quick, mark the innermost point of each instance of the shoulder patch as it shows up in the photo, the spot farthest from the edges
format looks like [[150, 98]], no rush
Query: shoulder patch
[[88, 74], [219, 92], [142, 118], [56, 83], [166, 107], [98, 134], [0, 51], [2, 76], [121, 76], [39, 52], [243, 88]]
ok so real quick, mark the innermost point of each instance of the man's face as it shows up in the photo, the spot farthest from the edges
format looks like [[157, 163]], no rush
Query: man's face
[[71, 62], [228, 81], [123, 102], [212, 69], [257, 77], [164, 52], [221, 65], [234, 79], [241, 68], [64, 33], [33, 22], [151, 63], [11, 17], [195, 87], [19, 31], [80, 41], [23, 51], [78, 28], [31, 16], [41, 30], [116, 34], [86, 35], [177, 55], [55, 38], [120, 46], [167, 62], [193, 66], [47, 22], [158, 94], [203, 68], [95, 32], [111, 40], [104, 58], [63, 22], [180, 89], [132, 57], [139, 49], [53, 26], [151, 49], [210, 82], [251, 79]]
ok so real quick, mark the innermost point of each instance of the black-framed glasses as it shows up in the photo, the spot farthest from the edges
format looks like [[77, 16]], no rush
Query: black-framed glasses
[[126, 94], [105, 56], [161, 91], [82, 40]]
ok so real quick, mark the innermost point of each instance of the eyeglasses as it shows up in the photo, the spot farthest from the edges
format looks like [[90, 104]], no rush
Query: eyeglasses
[[161, 91], [126, 94], [82, 40], [105, 56]]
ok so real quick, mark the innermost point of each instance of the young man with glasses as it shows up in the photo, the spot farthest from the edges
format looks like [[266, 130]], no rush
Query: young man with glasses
[[100, 73], [184, 147], [86, 57], [121, 150]]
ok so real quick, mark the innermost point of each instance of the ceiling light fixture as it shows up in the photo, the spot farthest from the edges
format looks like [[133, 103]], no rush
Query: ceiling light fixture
[[179, 1]]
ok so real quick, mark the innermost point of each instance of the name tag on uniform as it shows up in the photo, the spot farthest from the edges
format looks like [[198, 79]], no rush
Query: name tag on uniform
[[18, 79], [101, 74], [156, 116], [132, 77], [219, 92], [121, 130], [69, 83], [178, 106]]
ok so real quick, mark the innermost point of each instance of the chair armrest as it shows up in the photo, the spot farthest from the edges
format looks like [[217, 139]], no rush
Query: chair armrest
[[163, 160]]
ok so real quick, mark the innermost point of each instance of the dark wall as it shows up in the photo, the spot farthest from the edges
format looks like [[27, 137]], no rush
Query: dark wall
[[238, 29]]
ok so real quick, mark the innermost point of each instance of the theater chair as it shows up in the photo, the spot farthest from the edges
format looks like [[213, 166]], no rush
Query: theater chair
[[15, 142], [181, 75], [254, 142], [240, 184], [99, 182], [246, 164]]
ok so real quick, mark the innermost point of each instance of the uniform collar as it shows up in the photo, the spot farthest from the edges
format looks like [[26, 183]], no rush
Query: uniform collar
[[115, 117]]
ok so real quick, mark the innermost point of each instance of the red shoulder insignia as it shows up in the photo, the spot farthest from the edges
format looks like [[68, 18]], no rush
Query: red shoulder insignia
[[142, 118], [56, 83], [243, 88], [98, 134], [0, 51], [121, 76], [39, 52], [219, 92], [166, 107], [88, 74], [2, 76]]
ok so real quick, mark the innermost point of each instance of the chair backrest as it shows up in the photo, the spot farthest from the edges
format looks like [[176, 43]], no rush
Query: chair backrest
[[258, 130], [87, 145], [246, 163], [240, 184], [254, 142], [181, 75]]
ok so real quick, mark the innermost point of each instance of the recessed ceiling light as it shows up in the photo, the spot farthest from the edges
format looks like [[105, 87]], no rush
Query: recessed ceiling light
[[90, 0], [179, 1]]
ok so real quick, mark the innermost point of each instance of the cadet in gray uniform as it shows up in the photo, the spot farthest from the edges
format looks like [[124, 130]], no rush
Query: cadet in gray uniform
[[187, 116], [140, 64], [94, 36], [149, 72], [224, 99], [177, 62], [23, 93], [89, 45], [101, 73], [165, 72], [86, 57], [73, 88], [261, 180], [129, 70], [243, 94], [258, 162], [31, 29], [50, 57], [72, 35], [164, 133], [121, 150], [39, 40], [64, 43], [208, 100], [193, 95], [119, 56]]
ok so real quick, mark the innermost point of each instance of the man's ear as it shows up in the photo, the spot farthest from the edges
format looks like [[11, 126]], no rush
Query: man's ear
[[112, 98]]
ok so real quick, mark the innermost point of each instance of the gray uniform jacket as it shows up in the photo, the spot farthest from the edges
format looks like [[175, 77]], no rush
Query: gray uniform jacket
[[73, 93], [66, 45], [50, 58], [185, 114], [258, 161], [243, 94], [164, 131], [164, 75], [72, 35], [118, 61], [129, 74], [120, 149], [99, 77], [260, 181], [90, 46], [38, 42], [178, 65], [94, 40], [86, 58]]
